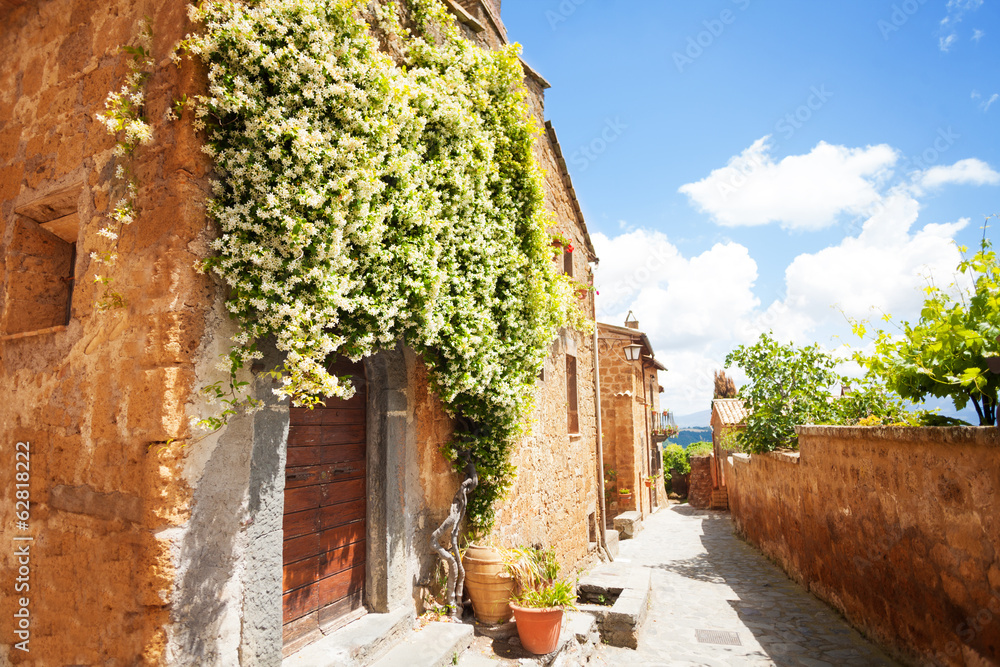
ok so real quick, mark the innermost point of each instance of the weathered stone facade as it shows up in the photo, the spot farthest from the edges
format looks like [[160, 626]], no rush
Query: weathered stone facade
[[700, 482], [898, 528], [151, 546], [629, 396]]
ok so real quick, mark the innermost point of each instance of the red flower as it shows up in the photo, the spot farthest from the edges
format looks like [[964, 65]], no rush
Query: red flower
[[569, 248]]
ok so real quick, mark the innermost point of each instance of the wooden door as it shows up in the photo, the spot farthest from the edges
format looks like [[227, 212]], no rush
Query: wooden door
[[323, 573]]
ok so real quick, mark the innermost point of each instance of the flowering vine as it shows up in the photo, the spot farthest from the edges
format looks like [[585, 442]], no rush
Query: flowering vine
[[123, 118], [363, 200]]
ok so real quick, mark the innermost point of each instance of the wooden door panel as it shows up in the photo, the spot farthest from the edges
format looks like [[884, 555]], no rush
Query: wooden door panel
[[304, 498], [301, 573], [301, 523], [342, 559], [304, 546], [341, 513], [323, 572], [300, 602], [341, 536], [343, 492], [341, 584]]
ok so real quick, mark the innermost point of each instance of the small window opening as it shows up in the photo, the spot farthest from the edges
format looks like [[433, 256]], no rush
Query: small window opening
[[40, 264], [572, 407]]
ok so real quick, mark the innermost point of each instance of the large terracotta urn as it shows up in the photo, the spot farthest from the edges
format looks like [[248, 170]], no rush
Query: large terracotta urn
[[489, 584]]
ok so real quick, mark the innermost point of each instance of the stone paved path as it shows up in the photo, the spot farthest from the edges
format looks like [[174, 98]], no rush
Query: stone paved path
[[705, 578]]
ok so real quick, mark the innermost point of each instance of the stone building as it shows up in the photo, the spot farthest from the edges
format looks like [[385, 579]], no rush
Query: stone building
[[149, 546], [630, 399], [729, 415]]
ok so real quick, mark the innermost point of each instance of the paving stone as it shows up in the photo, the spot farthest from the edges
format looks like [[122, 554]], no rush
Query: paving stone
[[704, 578]]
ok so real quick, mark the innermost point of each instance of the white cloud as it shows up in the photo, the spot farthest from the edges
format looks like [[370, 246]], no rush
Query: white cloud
[[964, 172], [977, 35], [884, 267], [691, 307], [805, 192], [985, 106], [957, 9]]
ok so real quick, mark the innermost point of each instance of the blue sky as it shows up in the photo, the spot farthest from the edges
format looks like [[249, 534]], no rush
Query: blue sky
[[747, 165]]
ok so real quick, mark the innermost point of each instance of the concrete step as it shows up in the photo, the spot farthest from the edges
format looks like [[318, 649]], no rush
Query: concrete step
[[434, 645], [356, 644], [577, 641]]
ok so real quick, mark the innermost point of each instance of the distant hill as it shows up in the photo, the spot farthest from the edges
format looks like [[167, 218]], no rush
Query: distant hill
[[695, 419], [688, 436]]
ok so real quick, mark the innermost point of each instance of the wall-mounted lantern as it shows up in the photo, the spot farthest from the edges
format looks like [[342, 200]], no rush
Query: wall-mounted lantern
[[633, 352]]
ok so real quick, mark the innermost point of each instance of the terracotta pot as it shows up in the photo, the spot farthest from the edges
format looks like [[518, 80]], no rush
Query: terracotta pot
[[538, 628], [649, 483], [488, 583]]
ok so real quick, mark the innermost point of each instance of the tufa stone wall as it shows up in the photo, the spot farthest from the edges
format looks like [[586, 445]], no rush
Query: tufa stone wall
[[700, 482], [898, 528], [625, 421], [98, 397]]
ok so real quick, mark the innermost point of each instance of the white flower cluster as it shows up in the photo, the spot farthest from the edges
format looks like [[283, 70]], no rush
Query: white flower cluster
[[362, 202]]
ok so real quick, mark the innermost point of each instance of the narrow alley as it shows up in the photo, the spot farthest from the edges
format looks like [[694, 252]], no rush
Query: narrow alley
[[717, 601]]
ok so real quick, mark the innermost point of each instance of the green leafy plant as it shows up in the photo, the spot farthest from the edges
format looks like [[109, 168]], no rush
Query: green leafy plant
[[697, 449], [674, 458], [363, 201], [531, 567], [947, 352], [624, 492], [557, 594], [123, 118]]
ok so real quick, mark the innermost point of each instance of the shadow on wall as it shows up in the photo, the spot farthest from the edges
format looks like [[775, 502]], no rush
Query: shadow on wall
[[770, 605], [228, 598]]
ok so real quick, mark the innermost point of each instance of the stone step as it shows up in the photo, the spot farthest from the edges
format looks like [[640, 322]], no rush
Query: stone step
[[434, 645], [356, 644]]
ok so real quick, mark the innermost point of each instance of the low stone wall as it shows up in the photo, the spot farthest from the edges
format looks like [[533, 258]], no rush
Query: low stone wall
[[898, 528], [700, 482]]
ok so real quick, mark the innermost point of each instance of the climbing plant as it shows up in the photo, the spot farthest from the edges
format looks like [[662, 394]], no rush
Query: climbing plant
[[364, 199], [123, 117]]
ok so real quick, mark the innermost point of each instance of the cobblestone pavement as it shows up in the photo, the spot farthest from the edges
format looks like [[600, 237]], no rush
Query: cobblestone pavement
[[705, 578]]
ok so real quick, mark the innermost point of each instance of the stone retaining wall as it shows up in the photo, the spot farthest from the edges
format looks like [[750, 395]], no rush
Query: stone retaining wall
[[700, 482], [898, 528]]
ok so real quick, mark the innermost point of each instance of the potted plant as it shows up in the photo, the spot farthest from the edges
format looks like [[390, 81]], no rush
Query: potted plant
[[624, 492], [539, 614], [541, 599]]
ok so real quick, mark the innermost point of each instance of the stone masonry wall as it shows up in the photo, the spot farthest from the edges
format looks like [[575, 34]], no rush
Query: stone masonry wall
[[700, 482], [624, 422], [97, 399], [898, 528]]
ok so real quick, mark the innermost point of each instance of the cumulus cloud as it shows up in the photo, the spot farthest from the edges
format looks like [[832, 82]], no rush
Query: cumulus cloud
[[804, 192], [964, 172], [691, 307], [884, 267]]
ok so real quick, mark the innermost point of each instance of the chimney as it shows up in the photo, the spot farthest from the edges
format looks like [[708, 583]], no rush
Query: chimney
[[631, 322]]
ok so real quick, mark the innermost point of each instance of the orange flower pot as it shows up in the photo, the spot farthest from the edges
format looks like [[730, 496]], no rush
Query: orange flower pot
[[538, 628]]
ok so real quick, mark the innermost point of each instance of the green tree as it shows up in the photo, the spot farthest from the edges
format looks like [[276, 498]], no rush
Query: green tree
[[948, 352], [786, 386]]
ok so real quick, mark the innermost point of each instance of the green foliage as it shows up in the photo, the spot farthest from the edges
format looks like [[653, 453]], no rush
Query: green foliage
[[557, 594], [531, 568], [786, 386], [363, 201], [123, 118], [674, 458], [698, 449], [946, 353]]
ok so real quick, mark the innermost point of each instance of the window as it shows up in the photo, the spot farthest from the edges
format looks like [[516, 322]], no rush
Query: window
[[567, 262], [39, 265], [572, 407]]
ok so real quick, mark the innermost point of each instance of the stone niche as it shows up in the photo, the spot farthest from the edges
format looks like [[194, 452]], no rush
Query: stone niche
[[39, 263]]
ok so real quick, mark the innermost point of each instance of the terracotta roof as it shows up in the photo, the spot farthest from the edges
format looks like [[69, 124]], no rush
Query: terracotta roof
[[731, 411]]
